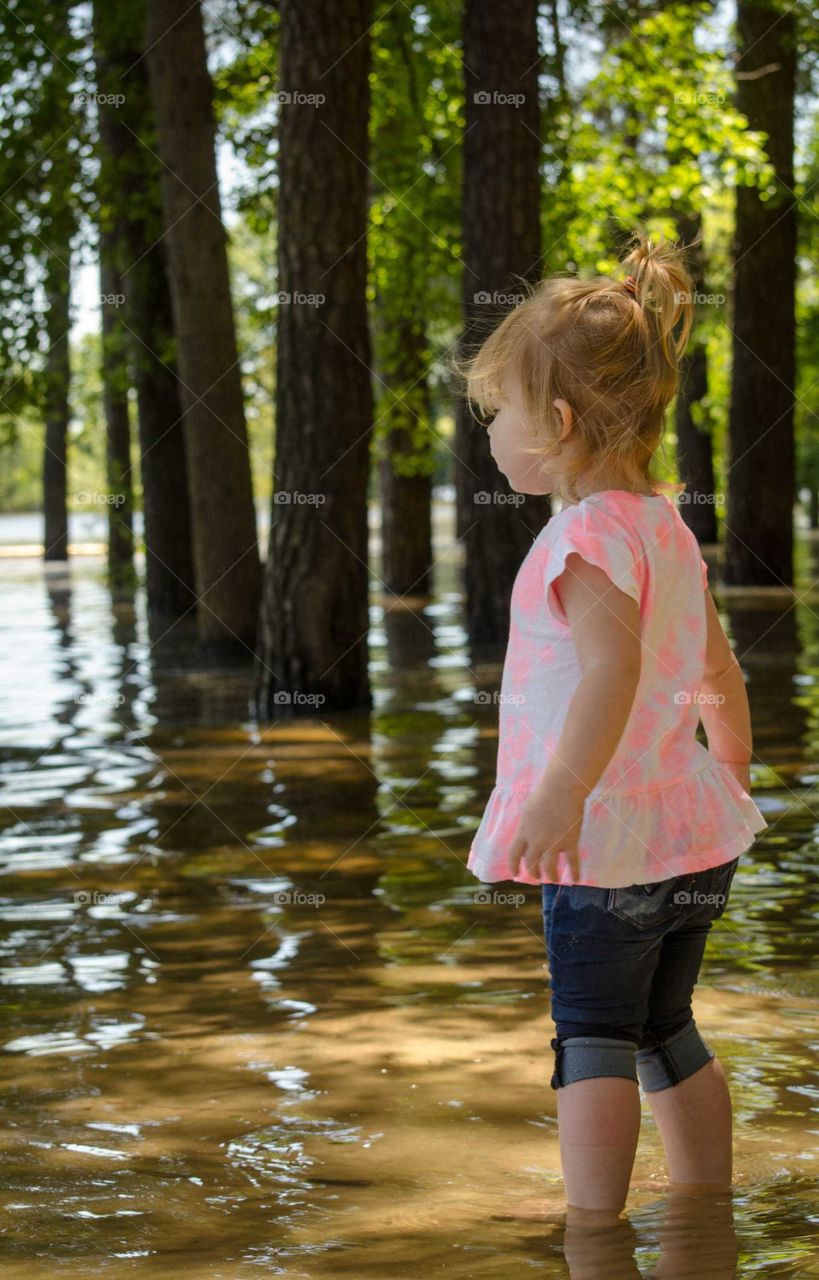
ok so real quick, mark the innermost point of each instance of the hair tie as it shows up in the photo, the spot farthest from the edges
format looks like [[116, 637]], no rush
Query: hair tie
[[630, 286]]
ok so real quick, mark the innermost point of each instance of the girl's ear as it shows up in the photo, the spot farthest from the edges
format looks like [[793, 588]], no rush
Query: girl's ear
[[566, 417]]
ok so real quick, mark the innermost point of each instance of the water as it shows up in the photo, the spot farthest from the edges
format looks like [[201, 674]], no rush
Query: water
[[256, 1021]]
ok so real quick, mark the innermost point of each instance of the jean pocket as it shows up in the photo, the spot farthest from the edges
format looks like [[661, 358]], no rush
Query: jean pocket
[[722, 879], [649, 906]]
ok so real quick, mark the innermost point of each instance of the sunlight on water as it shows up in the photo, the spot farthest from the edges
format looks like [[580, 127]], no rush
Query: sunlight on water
[[260, 1020]]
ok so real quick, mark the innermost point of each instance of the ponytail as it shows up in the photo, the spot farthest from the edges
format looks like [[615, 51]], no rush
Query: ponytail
[[611, 348], [661, 285]]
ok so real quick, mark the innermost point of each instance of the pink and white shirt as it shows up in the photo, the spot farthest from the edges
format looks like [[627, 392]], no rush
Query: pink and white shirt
[[663, 806]]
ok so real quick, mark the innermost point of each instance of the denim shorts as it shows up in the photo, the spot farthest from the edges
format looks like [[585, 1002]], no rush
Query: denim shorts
[[623, 964]]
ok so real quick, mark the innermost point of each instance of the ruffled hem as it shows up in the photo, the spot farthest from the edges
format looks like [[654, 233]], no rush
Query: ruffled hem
[[634, 837]]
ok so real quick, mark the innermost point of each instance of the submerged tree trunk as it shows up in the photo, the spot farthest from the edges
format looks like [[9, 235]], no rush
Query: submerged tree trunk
[[314, 622], [695, 458], [501, 241], [57, 376], [129, 164], [761, 488], [226, 555]]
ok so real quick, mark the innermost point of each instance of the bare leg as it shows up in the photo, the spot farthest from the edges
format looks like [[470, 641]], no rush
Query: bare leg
[[599, 1124], [694, 1119], [698, 1236]]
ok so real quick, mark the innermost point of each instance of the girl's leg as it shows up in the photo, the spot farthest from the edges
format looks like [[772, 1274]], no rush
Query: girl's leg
[[598, 1124], [694, 1119], [693, 1111], [600, 969]]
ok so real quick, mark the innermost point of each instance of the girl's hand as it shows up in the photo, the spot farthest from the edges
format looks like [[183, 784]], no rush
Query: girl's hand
[[550, 822]]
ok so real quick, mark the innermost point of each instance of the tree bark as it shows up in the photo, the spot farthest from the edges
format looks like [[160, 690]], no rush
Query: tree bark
[[695, 458], [406, 489], [226, 556], [761, 488], [128, 164], [56, 411], [115, 410], [314, 620], [501, 241]]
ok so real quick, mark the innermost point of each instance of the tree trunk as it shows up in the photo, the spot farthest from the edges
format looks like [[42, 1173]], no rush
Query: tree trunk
[[406, 528], [57, 377], [314, 621], [128, 163], [501, 240], [761, 489], [166, 509], [226, 555], [115, 410], [406, 487], [695, 458]]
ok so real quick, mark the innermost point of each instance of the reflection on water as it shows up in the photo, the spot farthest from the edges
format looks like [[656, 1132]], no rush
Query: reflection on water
[[258, 1019]]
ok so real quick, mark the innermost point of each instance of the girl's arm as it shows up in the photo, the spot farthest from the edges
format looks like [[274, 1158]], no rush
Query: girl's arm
[[605, 627], [724, 710]]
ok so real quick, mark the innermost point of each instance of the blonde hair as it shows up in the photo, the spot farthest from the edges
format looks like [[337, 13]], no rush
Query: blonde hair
[[607, 348]]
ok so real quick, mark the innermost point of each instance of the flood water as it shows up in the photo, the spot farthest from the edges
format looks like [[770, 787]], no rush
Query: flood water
[[259, 1020]]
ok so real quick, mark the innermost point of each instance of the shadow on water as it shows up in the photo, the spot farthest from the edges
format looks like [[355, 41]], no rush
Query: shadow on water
[[259, 1019]]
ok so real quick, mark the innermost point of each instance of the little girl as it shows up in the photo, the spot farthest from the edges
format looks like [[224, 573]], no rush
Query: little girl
[[604, 796]]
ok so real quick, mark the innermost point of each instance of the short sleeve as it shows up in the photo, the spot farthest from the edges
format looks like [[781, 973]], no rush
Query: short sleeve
[[600, 540], [704, 569]]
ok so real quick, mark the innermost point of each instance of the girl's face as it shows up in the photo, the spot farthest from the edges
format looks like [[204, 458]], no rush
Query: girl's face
[[509, 438]]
